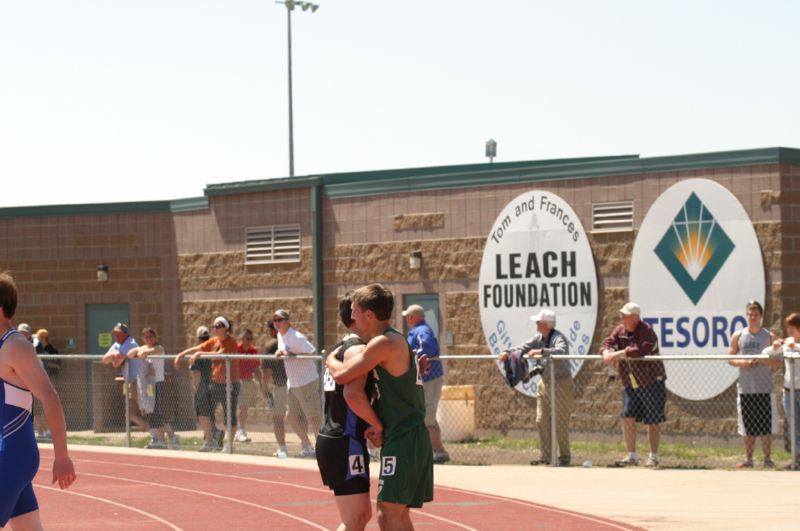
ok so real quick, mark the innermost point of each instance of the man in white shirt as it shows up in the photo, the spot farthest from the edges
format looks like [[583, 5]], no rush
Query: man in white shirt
[[302, 378]]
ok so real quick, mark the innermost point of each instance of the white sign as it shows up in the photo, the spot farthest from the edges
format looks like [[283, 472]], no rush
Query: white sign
[[537, 256], [696, 263]]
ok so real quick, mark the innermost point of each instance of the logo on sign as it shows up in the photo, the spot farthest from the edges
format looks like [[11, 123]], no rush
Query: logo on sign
[[696, 262], [694, 248], [537, 257]]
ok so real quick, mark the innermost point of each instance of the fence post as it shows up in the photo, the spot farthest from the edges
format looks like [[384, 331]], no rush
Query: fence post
[[228, 391], [127, 384], [792, 414], [553, 423]]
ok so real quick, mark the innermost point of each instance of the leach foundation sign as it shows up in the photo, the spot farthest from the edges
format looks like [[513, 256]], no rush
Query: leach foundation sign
[[696, 263], [537, 256]]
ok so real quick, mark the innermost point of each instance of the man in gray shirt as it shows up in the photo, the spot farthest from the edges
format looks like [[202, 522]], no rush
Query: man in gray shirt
[[756, 402], [548, 342]]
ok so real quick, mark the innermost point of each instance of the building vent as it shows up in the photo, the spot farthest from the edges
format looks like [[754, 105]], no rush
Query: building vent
[[608, 217], [270, 245]]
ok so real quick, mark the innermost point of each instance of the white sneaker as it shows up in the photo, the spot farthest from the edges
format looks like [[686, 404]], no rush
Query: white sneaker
[[308, 451], [156, 445], [281, 453], [241, 436]]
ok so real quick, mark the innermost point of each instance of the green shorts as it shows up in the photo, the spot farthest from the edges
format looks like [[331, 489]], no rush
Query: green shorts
[[407, 469]]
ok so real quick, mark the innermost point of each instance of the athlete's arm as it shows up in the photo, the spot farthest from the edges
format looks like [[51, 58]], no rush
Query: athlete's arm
[[188, 352], [21, 357], [357, 398], [378, 350], [734, 349]]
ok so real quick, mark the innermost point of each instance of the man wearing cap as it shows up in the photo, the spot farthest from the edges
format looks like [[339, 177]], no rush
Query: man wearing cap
[[548, 342], [422, 340], [304, 398], [645, 392], [26, 330], [51, 367], [117, 356]]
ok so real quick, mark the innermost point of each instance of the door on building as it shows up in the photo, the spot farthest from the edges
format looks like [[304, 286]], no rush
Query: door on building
[[105, 406], [429, 301]]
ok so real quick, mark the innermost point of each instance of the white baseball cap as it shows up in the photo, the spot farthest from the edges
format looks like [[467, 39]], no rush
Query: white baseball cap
[[630, 308], [548, 316]]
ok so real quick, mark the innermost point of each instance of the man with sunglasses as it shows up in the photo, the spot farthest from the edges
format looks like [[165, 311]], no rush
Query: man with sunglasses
[[304, 398]]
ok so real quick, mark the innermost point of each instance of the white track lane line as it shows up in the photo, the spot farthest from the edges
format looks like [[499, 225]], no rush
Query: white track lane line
[[270, 509], [104, 500], [537, 506], [271, 482]]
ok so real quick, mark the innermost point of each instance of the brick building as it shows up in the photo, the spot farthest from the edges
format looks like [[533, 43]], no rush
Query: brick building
[[246, 248]]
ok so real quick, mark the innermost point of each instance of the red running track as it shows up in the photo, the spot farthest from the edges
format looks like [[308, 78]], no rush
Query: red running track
[[144, 492]]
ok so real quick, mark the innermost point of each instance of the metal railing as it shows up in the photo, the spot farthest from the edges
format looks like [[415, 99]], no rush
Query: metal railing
[[483, 422]]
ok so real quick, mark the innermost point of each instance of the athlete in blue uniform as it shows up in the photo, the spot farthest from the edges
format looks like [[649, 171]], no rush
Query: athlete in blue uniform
[[21, 377]]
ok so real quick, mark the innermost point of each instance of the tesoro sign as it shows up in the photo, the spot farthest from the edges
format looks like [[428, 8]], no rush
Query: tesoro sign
[[537, 256], [696, 262]]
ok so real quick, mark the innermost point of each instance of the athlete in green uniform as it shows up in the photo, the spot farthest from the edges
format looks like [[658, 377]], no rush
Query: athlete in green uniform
[[406, 478]]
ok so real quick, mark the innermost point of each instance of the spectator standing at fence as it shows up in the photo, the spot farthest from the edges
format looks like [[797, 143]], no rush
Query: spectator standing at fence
[[304, 399], [756, 402], [545, 343], [222, 343], [117, 356], [645, 393], [250, 377], [423, 341], [273, 378], [21, 379], [152, 392], [51, 368], [790, 347], [201, 379]]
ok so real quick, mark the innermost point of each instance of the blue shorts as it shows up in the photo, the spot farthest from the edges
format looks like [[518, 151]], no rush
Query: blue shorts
[[645, 404], [19, 461]]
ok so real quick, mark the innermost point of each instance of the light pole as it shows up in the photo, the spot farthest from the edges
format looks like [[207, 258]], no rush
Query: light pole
[[290, 5]]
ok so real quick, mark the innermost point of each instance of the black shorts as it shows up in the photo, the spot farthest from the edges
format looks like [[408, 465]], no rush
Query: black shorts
[[756, 411], [343, 464], [645, 404], [202, 400], [156, 418]]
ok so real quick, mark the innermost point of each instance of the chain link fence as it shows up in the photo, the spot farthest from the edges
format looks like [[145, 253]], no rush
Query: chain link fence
[[567, 421]]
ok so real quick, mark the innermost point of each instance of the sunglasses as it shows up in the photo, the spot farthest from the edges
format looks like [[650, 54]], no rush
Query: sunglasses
[[219, 325], [277, 319]]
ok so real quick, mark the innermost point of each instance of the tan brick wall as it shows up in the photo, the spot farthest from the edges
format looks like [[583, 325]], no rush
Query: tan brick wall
[[203, 271]]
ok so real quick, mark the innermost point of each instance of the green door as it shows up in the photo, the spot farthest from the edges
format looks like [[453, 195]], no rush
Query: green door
[[429, 301], [105, 405]]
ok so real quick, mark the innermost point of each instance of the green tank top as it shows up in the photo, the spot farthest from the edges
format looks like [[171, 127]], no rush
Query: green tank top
[[401, 402]]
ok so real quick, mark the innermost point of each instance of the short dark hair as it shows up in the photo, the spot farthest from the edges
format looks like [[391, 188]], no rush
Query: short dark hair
[[346, 310], [271, 325], [8, 294], [377, 299], [756, 305]]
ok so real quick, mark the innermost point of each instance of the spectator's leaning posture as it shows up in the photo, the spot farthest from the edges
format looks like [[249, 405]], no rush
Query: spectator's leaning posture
[[51, 367], [756, 402], [150, 383], [117, 356], [274, 384], [548, 342], [303, 381], [249, 373], [790, 347], [222, 343], [423, 341], [645, 391], [201, 381]]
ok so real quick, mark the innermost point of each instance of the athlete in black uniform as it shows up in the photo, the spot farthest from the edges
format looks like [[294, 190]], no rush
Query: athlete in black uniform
[[341, 445]]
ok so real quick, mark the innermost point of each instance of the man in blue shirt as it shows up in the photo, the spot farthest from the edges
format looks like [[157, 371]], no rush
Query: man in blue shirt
[[117, 356], [423, 341]]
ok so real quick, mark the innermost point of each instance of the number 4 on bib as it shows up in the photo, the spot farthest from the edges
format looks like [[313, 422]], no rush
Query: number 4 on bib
[[356, 465]]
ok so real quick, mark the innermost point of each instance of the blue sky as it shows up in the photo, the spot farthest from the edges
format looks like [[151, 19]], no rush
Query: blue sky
[[119, 100]]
